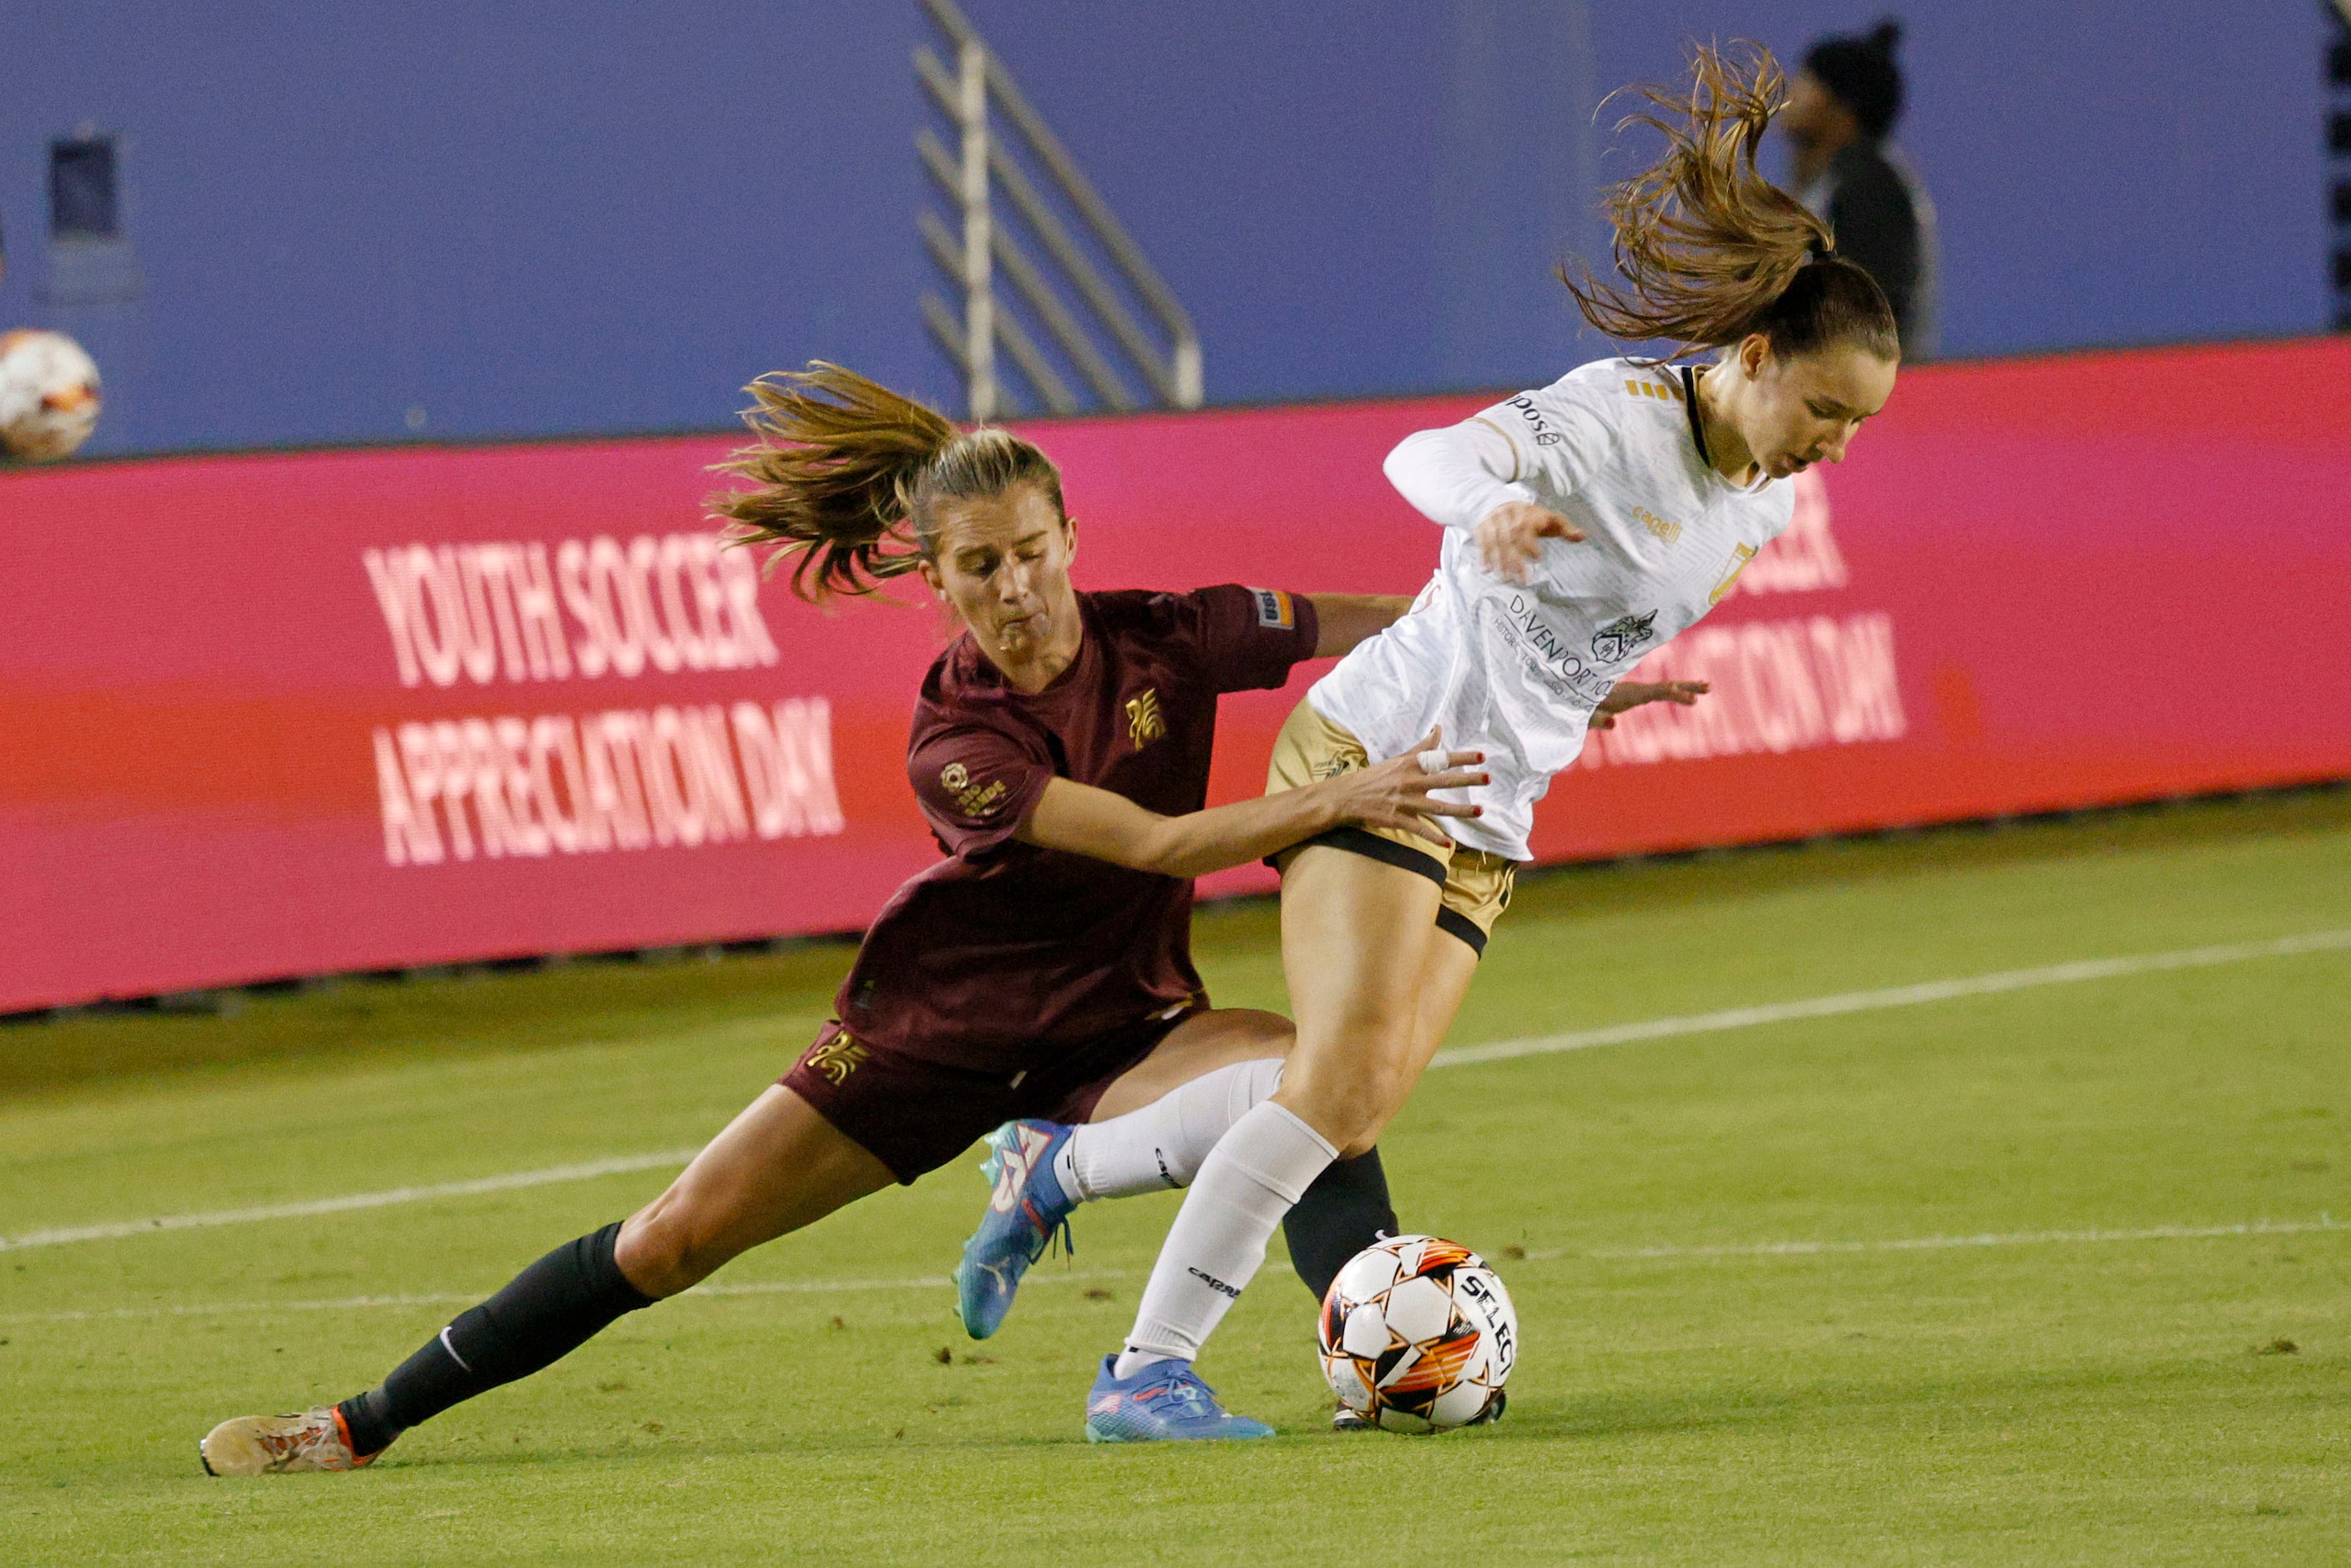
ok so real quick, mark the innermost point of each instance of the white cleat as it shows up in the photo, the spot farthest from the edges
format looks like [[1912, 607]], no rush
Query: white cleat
[[280, 1445]]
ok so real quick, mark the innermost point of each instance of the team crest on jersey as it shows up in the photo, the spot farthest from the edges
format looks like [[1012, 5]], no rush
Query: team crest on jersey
[[836, 1058], [1145, 722], [1620, 636], [1740, 555]]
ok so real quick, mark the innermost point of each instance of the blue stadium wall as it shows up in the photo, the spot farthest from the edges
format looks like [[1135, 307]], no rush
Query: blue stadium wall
[[441, 221]]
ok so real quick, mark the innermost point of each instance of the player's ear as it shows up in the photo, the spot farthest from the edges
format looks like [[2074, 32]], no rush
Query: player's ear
[[1068, 537], [1753, 350], [930, 570]]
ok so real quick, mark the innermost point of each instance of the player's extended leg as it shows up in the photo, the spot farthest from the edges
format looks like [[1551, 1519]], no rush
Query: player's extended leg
[[1356, 935], [778, 1165], [1347, 1207], [1148, 1131]]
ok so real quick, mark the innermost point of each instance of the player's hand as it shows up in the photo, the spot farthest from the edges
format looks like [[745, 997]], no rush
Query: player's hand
[[1510, 537], [1394, 794], [1627, 695]]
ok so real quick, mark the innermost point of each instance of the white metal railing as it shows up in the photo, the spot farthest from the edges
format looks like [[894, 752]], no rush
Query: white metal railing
[[1089, 317]]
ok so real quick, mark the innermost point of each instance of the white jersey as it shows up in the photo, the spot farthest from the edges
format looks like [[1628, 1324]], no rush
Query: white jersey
[[1515, 670]]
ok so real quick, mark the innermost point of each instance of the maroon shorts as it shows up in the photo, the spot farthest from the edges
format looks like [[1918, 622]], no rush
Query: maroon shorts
[[915, 1114]]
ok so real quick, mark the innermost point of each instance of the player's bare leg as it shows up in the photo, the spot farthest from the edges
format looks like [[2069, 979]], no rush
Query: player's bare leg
[[1359, 938], [1449, 966], [778, 1165]]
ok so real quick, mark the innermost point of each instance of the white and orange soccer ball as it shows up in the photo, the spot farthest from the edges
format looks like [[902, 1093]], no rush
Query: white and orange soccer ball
[[49, 395], [1418, 1335]]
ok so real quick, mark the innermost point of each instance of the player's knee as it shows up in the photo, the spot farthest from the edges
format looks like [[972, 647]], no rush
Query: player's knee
[[1346, 1106], [658, 1250]]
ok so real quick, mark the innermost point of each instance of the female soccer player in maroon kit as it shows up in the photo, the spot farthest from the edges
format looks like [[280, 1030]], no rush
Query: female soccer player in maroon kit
[[1042, 970]]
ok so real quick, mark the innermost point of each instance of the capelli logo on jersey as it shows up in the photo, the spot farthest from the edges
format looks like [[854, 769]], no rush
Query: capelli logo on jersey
[[1145, 722], [1657, 525], [837, 1057], [1544, 434]]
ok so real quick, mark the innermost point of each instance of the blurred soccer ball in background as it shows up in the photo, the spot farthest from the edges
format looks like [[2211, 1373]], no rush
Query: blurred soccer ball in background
[[49, 395], [1418, 1335]]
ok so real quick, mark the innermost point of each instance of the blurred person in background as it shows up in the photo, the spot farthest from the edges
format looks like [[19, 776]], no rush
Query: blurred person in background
[[1842, 107]]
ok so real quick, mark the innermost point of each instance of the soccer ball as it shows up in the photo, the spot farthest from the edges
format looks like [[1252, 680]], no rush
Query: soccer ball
[[49, 395], [1418, 1335]]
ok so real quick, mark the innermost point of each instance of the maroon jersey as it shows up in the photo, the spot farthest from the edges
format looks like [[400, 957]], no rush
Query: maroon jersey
[[1004, 953]]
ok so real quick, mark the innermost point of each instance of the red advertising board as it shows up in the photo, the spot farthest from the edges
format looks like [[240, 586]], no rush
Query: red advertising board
[[264, 715]]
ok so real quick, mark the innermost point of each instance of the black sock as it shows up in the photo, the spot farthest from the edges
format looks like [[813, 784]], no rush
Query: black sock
[[1344, 1211], [544, 1313]]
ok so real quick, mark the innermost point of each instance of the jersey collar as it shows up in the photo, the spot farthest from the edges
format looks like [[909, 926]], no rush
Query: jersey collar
[[1697, 434], [1698, 425]]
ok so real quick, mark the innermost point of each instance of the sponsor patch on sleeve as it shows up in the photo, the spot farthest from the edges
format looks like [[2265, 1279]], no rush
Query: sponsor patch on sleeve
[[1274, 609], [972, 800]]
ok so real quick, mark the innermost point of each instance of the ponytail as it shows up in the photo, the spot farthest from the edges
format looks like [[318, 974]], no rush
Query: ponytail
[[844, 473], [1711, 250]]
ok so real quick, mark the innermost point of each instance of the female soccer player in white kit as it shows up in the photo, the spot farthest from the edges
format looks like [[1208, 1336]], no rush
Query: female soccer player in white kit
[[1585, 524]]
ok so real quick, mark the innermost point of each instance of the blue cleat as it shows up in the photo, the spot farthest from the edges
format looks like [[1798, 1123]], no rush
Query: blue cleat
[[1163, 1402], [1026, 1210]]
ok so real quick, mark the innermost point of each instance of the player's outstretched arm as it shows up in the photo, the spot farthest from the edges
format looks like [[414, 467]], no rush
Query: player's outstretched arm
[[1394, 794], [1455, 476], [1343, 620], [1627, 695]]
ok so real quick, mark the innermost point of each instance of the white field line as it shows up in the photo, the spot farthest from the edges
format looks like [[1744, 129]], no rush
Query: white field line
[[2324, 1222], [1948, 1243], [618, 1165], [2069, 974], [1844, 1002]]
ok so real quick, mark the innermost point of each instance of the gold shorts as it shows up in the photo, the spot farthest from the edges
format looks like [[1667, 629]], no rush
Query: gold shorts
[[1477, 885]]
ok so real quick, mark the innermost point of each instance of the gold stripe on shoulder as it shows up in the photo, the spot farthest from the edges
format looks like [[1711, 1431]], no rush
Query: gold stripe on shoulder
[[1481, 419]]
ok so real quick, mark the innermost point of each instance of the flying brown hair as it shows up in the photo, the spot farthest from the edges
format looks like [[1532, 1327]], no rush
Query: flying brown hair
[[845, 472], [1711, 250]]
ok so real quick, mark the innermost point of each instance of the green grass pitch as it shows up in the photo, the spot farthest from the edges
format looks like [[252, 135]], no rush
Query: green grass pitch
[[1686, 1395]]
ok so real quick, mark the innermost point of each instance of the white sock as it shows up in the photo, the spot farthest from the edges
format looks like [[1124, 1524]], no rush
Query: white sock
[[1218, 1242], [1161, 1145]]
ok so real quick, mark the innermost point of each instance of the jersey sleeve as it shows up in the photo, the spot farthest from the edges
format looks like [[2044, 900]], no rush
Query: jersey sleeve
[[1455, 475], [1246, 639], [975, 785], [1535, 448], [1557, 440]]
